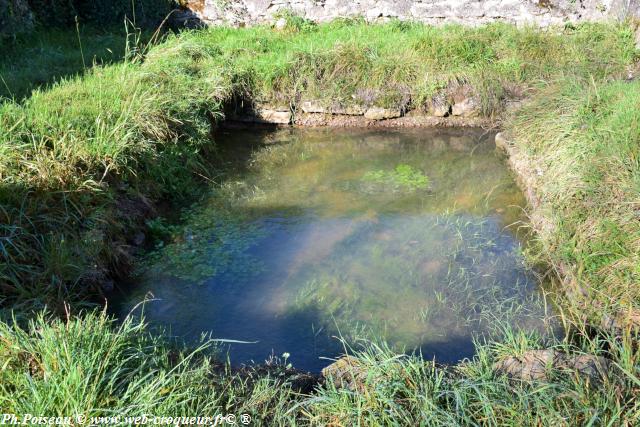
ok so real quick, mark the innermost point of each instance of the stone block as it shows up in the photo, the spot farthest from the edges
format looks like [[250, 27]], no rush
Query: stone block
[[377, 113]]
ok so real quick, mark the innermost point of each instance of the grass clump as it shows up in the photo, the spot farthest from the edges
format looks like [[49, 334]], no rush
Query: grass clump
[[403, 64], [79, 164], [93, 367], [401, 390]]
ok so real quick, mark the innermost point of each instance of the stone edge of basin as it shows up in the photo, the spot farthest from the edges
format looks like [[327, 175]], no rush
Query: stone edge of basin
[[463, 112], [350, 373]]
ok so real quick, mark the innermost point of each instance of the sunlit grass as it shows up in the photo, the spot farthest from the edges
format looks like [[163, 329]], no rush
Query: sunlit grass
[[584, 138], [92, 366], [71, 155]]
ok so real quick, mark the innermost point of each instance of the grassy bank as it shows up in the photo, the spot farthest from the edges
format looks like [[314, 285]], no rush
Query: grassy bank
[[83, 163], [583, 138], [79, 164], [92, 367], [400, 64]]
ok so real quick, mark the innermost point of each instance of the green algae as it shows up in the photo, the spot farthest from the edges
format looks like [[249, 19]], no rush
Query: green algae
[[403, 177]]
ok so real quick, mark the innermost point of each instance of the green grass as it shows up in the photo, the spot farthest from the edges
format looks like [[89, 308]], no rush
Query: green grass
[[584, 138], [73, 154], [349, 62], [94, 367], [82, 161], [44, 57]]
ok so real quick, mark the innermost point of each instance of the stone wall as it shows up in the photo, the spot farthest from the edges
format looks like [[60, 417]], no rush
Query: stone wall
[[469, 12]]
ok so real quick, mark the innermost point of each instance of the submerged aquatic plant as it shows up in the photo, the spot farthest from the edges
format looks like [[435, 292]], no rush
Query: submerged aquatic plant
[[430, 276], [403, 177], [214, 242]]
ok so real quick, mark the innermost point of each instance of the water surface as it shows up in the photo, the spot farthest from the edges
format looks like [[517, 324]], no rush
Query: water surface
[[412, 237]]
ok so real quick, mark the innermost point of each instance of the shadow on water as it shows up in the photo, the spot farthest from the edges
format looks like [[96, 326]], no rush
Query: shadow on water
[[401, 236]]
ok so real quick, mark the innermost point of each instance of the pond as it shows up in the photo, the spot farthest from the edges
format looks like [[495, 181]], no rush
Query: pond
[[310, 240]]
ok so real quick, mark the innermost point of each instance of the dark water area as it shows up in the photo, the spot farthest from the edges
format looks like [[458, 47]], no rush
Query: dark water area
[[410, 237]]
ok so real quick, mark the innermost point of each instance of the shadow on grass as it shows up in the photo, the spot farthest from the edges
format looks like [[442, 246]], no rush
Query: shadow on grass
[[49, 55]]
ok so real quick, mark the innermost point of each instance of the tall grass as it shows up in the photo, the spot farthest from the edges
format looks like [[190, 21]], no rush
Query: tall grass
[[584, 138], [93, 367], [350, 62], [72, 154]]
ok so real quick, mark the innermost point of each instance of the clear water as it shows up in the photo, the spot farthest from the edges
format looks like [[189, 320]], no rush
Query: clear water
[[411, 237]]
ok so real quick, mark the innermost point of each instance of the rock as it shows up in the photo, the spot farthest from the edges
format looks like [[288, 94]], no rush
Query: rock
[[352, 110], [468, 107], [377, 113], [373, 14], [312, 107], [441, 110], [501, 141], [585, 364], [536, 365], [621, 321], [275, 107], [531, 366], [542, 12], [280, 24], [439, 106], [273, 116], [317, 107], [347, 372]]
